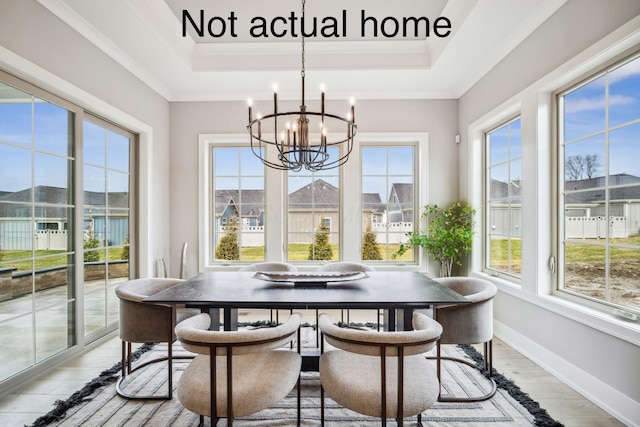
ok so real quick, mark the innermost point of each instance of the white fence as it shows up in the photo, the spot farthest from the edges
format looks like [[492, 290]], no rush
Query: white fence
[[595, 227]]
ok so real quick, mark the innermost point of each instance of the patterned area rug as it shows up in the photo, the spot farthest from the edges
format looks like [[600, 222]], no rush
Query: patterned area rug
[[97, 404]]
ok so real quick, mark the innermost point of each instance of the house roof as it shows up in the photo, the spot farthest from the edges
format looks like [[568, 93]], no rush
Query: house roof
[[403, 191], [251, 202], [372, 202], [591, 190], [56, 196], [319, 194]]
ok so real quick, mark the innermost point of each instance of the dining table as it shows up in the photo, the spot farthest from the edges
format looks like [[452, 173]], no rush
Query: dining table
[[398, 293]]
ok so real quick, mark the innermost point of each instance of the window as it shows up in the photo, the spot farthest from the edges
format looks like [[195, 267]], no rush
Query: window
[[51, 296], [107, 153], [599, 187], [301, 217], [313, 225], [388, 200], [503, 185], [238, 220]]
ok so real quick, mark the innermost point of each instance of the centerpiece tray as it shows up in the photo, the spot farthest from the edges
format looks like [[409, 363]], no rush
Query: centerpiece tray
[[309, 279]]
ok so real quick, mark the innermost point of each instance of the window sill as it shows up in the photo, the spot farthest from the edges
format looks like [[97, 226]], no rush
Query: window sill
[[606, 323]]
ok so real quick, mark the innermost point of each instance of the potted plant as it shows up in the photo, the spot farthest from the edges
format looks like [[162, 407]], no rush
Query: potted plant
[[447, 237]]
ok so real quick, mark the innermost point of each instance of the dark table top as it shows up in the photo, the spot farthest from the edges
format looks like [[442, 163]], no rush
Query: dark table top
[[382, 289]]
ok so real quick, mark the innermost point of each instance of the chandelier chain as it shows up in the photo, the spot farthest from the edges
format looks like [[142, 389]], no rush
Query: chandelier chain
[[302, 35]]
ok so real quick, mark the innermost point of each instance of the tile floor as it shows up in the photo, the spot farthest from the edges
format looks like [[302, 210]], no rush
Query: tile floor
[[561, 402]]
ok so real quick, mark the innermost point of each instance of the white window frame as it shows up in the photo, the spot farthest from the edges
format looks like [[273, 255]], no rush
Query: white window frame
[[275, 200], [537, 109]]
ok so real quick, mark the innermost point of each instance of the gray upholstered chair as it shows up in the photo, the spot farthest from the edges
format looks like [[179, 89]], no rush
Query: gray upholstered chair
[[249, 370], [468, 324], [347, 267], [381, 374], [147, 323], [270, 266]]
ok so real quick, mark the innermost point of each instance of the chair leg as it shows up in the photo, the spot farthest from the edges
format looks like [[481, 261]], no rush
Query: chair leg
[[488, 364], [128, 369], [321, 405]]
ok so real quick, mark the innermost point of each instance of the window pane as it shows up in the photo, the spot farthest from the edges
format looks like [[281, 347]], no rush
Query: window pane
[[584, 110], [107, 226], [313, 202], [52, 131], [15, 172], [585, 270], [118, 151], [94, 146], [15, 116], [584, 160], [624, 151], [504, 208], [623, 83], [388, 202], [239, 214], [51, 176]]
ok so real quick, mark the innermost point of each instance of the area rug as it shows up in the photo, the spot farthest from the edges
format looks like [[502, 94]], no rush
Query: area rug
[[97, 404]]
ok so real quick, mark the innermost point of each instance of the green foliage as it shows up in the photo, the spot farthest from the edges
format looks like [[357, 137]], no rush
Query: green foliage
[[370, 248], [448, 234], [91, 242], [228, 247], [321, 249], [125, 249]]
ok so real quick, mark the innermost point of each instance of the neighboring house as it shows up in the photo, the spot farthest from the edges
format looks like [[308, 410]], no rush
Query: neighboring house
[[400, 203], [49, 221], [373, 210], [307, 206], [586, 213], [315, 202]]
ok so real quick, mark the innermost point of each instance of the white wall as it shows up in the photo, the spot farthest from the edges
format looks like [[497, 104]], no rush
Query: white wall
[[438, 118], [38, 47], [595, 353]]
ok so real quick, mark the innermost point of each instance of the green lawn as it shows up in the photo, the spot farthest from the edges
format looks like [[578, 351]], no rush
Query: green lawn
[[22, 261], [300, 252]]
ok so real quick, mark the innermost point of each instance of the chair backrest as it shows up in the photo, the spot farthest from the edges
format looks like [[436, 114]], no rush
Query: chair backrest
[[422, 339], [141, 322], [345, 267], [269, 266], [467, 323], [137, 289], [195, 336]]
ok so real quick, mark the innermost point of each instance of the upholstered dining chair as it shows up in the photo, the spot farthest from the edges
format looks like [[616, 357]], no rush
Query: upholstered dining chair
[[270, 266], [147, 323], [380, 374], [247, 370], [347, 267], [469, 323]]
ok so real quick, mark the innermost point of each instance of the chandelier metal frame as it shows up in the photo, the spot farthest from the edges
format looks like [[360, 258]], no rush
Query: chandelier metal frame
[[293, 142]]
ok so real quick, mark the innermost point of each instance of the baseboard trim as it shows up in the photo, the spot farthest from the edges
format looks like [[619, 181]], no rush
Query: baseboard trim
[[603, 395]]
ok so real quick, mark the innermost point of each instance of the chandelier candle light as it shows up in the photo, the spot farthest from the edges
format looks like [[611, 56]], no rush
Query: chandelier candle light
[[293, 140]]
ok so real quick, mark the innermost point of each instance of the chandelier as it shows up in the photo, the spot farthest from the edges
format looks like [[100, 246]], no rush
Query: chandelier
[[291, 133]]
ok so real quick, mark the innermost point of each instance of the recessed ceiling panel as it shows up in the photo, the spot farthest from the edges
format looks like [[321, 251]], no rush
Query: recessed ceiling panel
[[279, 20]]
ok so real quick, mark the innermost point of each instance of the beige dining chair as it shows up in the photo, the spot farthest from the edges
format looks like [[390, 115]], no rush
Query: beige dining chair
[[270, 266], [147, 323], [247, 370], [380, 374], [469, 323]]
